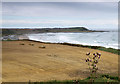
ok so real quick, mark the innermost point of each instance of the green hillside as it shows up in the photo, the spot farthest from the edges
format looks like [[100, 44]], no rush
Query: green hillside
[[43, 30]]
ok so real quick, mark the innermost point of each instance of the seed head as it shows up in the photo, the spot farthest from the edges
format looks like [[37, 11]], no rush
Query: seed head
[[93, 71], [96, 61], [99, 57], [93, 53], [90, 60], [86, 60], [88, 53], [99, 54], [94, 65]]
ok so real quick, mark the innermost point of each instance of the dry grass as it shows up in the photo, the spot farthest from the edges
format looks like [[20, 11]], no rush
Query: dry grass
[[55, 62]]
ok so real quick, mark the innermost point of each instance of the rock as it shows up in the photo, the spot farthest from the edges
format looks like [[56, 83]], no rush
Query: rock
[[42, 46], [22, 44], [32, 44]]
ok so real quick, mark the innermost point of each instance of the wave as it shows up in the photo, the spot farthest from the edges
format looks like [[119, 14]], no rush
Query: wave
[[105, 39]]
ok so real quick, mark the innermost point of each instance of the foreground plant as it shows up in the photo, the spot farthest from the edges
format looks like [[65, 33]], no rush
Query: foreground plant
[[92, 60]]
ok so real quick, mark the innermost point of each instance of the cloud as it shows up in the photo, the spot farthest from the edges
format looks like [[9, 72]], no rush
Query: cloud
[[59, 9], [61, 1], [91, 14], [63, 22]]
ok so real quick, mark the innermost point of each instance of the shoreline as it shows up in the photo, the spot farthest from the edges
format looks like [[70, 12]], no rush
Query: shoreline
[[25, 37], [86, 46], [112, 50]]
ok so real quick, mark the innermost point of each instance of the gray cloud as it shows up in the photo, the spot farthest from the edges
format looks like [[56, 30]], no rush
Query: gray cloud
[[63, 13], [61, 1], [59, 9]]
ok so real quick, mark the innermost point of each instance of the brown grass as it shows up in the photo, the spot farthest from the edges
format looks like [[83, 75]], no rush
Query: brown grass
[[55, 62]]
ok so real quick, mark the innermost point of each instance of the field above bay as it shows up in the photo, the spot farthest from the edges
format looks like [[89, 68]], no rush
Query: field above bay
[[27, 60]]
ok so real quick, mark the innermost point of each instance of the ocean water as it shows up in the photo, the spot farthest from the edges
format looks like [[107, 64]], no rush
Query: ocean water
[[105, 39]]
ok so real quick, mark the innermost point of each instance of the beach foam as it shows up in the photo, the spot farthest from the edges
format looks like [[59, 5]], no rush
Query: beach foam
[[105, 39]]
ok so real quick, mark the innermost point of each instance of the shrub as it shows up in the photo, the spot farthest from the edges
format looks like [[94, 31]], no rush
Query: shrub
[[92, 60]]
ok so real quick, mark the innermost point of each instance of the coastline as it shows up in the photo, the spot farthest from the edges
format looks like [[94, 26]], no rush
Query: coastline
[[112, 50], [10, 31], [25, 37]]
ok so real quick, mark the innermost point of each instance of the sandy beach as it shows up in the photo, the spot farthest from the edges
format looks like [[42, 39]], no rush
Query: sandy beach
[[27, 60]]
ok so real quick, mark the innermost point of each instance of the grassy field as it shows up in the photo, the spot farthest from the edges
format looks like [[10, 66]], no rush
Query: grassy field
[[103, 79], [115, 51], [23, 61]]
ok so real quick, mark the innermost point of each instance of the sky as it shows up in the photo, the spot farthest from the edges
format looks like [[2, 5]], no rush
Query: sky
[[92, 15]]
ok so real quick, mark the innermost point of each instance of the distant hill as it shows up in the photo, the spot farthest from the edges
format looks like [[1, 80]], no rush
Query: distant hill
[[11, 31]]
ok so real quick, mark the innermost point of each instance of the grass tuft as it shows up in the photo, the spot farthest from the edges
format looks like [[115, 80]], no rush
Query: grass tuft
[[103, 79]]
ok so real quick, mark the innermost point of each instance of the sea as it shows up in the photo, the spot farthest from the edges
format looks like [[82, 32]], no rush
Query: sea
[[104, 39]]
